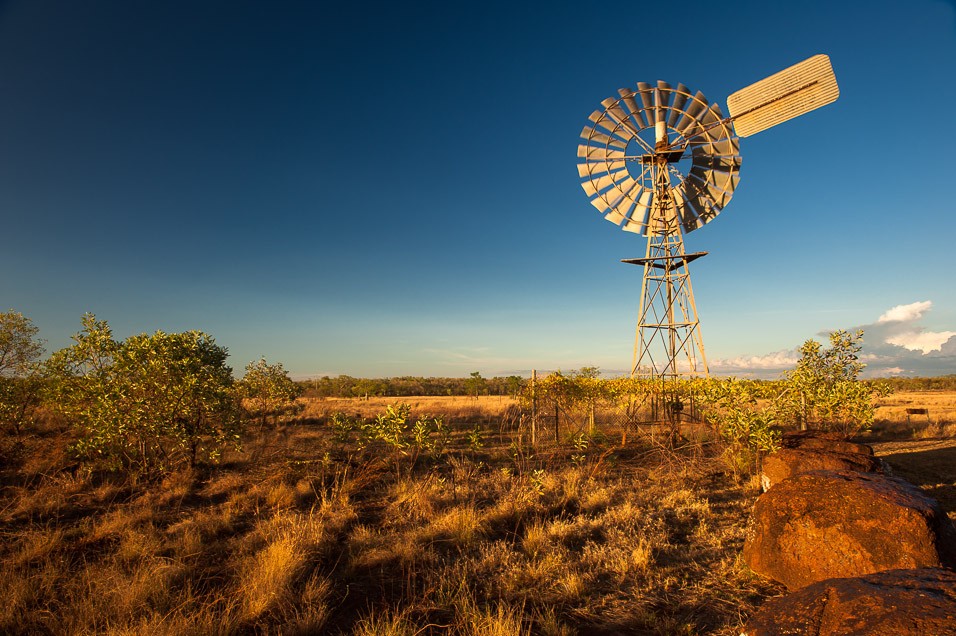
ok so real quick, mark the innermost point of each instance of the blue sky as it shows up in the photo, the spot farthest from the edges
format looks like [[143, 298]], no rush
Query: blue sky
[[380, 190]]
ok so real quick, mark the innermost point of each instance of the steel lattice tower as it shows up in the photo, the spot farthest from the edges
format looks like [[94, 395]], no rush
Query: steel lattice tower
[[668, 341]]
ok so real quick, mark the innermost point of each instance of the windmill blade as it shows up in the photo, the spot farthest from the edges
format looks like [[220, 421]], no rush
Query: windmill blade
[[618, 193], [790, 93], [616, 196], [723, 181], [647, 99], [697, 104], [587, 170], [614, 216], [594, 186], [698, 198], [719, 193], [718, 147], [690, 226], [615, 112], [592, 153], [720, 197], [711, 126], [680, 98], [608, 124], [720, 163], [703, 129], [621, 210], [685, 212], [665, 91], [638, 220], [601, 204], [716, 185], [635, 111], [592, 135]]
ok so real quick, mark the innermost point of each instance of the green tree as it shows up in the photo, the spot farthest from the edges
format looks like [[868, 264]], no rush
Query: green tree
[[267, 388], [737, 409], [476, 384], [149, 403], [824, 391], [19, 346], [515, 384], [20, 380], [365, 387]]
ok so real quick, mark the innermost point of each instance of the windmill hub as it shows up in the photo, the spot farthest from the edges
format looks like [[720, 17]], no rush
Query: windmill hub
[[663, 161]]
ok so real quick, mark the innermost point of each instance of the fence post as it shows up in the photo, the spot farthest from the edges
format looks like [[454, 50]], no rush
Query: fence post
[[534, 408], [557, 422]]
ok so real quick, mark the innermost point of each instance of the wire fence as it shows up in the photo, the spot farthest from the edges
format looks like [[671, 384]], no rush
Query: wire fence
[[573, 406]]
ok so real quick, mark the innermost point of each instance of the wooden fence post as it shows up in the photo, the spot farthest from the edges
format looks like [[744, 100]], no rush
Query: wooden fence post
[[557, 423], [534, 408]]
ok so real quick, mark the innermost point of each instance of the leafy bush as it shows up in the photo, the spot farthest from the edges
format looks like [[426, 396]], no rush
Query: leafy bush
[[393, 433], [267, 388], [746, 427], [823, 391], [20, 380], [146, 404]]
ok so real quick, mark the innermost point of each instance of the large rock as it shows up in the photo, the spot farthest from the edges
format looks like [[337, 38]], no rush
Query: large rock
[[788, 462], [827, 524], [823, 440], [898, 602]]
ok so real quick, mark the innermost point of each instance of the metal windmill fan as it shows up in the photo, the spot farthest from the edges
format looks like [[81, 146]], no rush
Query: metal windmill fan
[[663, 161]]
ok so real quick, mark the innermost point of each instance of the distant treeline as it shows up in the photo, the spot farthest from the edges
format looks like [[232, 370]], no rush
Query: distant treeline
[[347, 386], [939, 383]]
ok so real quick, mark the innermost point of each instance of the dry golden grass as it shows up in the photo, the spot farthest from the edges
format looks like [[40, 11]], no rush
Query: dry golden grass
[[303, 534], [300, 534], [891, 416], [455, 408]]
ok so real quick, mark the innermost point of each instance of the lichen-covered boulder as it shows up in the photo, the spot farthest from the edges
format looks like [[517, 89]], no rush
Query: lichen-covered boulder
[[823, 440], [914, 602], [827, 524], [788, 462]]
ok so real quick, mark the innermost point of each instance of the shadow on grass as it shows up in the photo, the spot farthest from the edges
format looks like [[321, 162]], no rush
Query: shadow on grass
[[932, 470]]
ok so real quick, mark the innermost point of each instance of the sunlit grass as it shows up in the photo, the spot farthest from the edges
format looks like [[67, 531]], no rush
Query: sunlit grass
[[304, 534]]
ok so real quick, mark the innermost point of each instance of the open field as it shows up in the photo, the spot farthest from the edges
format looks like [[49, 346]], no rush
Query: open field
[[456, 408], [891, 408], [928, 463], [940, 421], [305, 532]]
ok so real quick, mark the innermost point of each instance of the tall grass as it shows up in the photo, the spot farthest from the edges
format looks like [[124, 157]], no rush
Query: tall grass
[[303, 534]]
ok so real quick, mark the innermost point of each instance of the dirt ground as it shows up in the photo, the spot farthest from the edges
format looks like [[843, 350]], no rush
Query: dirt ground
[[928, 463]]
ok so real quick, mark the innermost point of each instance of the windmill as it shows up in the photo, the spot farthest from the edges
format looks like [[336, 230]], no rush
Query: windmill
[[663, 161]]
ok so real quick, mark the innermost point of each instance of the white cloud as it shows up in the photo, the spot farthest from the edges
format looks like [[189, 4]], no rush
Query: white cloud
[[925, 341], [777, 360], [906, 313], [898, 327], [895, 344], [898, 344]]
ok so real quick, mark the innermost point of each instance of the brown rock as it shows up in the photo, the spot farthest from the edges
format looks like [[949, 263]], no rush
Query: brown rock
[[827, 524], [899, 602], [788, 462], [823, 440]]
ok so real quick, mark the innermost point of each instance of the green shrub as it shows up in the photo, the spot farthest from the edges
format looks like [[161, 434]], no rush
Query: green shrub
[[146, 404]]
